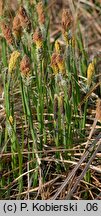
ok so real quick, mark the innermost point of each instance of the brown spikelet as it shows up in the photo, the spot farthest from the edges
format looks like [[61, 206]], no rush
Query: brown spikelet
[[1, 7], [40, 11], [32, 2], [54, 63], [37, 38], [7, 33], [55, 106], [61, 104], [66, 19], [25, 66], [17, 29], [60, 63], [98, 110], [24, 19], [37, 35], [54, 58]]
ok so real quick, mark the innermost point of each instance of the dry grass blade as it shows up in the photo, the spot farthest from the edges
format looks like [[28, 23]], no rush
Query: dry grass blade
[[15, 180], [37, 188], [76, 167], [97, 118], [84, 171], [89, 93]]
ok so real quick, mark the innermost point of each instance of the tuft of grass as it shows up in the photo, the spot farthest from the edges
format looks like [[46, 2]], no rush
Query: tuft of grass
[[44, 128]]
